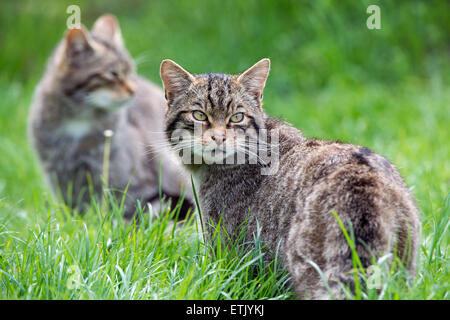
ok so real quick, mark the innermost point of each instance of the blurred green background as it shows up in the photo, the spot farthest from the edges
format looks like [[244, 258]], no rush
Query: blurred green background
[[331, 76]]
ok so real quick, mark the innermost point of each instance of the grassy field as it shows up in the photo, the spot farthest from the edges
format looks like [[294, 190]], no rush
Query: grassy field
[[331, 77]]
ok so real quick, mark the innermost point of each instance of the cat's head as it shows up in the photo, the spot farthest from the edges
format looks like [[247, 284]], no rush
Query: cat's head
[[93, 69], [214, 116]]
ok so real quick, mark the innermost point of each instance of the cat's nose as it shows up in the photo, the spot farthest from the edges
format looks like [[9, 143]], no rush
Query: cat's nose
[[129, 87], [218, 137]]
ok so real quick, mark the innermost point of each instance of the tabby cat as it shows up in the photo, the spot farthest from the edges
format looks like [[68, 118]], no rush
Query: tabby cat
[[294, 203], [89, 86]]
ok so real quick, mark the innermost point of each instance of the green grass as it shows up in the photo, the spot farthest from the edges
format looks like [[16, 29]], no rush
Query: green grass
[[67, 258], [331, 77]]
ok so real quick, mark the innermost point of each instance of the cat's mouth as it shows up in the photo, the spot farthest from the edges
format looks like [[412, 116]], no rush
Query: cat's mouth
[[108, 100], [214, 153]]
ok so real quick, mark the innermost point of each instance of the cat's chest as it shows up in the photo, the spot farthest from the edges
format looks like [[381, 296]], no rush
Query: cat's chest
[[87, 125], [75, 129], [71, 142], [79, 139], [227, 194]]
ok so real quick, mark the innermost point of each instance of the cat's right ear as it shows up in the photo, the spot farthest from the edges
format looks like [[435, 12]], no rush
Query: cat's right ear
[[175, 79], [77, 43]]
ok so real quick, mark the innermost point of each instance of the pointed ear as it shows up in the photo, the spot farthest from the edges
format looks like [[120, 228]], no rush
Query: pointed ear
[[77, 43], [176, 80], [254, 78], [106, 27]]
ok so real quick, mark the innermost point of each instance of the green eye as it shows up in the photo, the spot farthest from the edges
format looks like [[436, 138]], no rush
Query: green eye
[[198, 115], [237, 117]]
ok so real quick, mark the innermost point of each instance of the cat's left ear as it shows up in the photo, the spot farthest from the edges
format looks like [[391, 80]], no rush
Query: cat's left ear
[[107, 27], [254, 78]]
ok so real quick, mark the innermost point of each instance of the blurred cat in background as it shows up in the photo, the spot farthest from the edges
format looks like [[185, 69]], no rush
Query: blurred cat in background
[[89, 86]]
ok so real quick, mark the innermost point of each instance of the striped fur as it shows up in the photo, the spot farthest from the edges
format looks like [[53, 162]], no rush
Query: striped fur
[[293, 207]]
